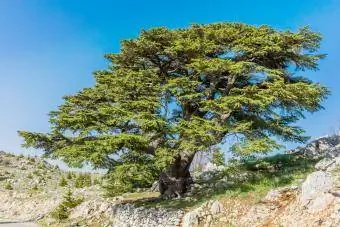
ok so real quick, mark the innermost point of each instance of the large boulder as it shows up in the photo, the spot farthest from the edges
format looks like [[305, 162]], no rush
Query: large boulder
[[191, 219], [208, 173], [316, 184], [326, 146], [216, 207], [324, 164]]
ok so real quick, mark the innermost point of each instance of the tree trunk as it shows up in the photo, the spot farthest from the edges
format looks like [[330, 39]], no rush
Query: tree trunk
[[174, 181]]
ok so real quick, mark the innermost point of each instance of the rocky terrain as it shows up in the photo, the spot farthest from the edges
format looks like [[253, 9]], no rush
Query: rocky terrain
[[300, 188]]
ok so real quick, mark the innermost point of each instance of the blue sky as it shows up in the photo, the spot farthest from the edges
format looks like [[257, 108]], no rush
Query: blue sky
[[48, 48]]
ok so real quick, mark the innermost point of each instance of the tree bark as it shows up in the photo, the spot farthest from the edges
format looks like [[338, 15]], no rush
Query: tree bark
[[174, 181]]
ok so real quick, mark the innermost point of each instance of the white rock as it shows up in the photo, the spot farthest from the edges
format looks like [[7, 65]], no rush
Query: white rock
[[324, 163], [216, 207], [190, 219], [321, 203], [316, 184]]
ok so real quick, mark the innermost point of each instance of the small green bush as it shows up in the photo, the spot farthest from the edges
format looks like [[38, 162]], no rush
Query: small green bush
[[62, 182], [96, 181], [41, 165], [69, 175], [83, 180], [35, 187], [36, 172], [218, 158], [62, 211], [8, 186]]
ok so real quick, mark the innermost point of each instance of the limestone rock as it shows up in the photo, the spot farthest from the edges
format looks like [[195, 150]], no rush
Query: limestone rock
[[216, 207], [321, 203], [324, 163], [280, 195], [191, 219], [316, 184], [155, 187]]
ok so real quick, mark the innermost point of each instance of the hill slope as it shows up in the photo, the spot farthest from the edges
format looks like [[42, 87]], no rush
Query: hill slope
[[300, 188]]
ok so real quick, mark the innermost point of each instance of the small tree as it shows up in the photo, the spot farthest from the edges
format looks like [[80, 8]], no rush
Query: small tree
[[83, 180], [62, 211], [8, 186], [87, 180], [62, 182], [79, 182], [218, 158], [69, 175], [171, 93]]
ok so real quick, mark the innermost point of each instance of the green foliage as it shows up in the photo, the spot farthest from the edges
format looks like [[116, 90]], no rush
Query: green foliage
[[62, 211], [172, 92], [35, 187], [41, 165], [8, 186], [31, 160], [250, 178], [63, 182], [96, 181], [127, 177], [83, 180], [218, 158], [69, 175]]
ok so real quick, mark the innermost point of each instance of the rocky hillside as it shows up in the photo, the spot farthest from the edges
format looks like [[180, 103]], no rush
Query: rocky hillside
[[300, 188], [31, 188]]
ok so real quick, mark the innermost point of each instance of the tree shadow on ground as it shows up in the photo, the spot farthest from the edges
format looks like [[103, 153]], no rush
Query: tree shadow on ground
[[253, 176]]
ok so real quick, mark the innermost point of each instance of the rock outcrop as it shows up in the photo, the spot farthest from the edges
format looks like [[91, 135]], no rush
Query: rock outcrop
[[314, 201]]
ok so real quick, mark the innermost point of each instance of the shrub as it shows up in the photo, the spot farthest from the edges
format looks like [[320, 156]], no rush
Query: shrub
[[62, 182], [62, 211], [8, 186], [96, 181], [218, 158], [35, 187], [69, 175], [87, 180], [31, 160], [83, 180], [41, 165]]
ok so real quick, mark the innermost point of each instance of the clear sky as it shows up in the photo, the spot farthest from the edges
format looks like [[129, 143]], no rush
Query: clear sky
[[49, 48]]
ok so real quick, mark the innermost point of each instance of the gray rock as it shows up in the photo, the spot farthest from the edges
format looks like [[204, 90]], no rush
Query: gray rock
[[326, 146], [316, 184], [191, 219], [207, 176], [132, 215], [216, 208], [335, 165], [321, 203], [324, 163], [155, 187]]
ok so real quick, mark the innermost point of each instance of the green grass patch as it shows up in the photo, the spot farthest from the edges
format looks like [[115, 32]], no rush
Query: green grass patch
[[252, 176]]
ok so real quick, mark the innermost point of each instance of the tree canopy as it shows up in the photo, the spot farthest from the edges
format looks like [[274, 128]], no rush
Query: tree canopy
[[170, 93]]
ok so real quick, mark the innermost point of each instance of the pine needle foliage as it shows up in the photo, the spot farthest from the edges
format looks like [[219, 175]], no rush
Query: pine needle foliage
[[169, 92], [62, 211]]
